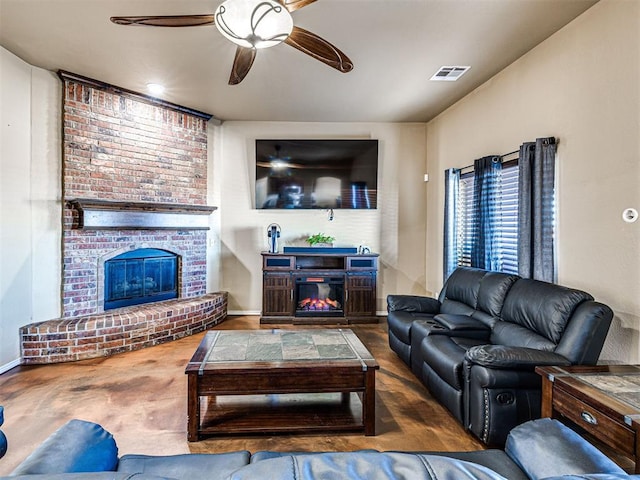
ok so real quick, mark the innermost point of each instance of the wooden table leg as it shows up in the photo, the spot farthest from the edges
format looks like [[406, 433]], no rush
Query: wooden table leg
[[637, 456], [369, 402], [546, 409], [193, 408]]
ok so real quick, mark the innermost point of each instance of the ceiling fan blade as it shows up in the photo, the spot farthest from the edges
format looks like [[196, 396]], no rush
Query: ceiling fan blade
[[292, 5], [166, 20], [241, 64], [319, 48]]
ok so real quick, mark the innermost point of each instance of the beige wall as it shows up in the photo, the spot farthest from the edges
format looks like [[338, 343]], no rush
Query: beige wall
[[30, 225], [581, 86], [395, 230]]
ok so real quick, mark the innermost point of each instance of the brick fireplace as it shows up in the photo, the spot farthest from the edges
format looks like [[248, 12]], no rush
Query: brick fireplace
[[134, 178]]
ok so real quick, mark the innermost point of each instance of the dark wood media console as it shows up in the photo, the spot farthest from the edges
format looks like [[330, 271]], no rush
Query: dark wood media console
[[319, 288]]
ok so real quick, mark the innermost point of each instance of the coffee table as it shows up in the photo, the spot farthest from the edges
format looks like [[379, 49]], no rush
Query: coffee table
[[274, 381]]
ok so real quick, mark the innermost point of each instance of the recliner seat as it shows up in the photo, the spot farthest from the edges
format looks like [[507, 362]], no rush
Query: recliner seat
[[476, 347]]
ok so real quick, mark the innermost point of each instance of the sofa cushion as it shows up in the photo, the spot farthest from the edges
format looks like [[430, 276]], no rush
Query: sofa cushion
[[364, 466], [269, 454], [401, 322], [594, 476], [494, 459], [563, 450], [187, 466], [77, 446], [88, 476], [542, 307], [445, 356], [493, 290], [514, 335], [463, 286], [455, 307]]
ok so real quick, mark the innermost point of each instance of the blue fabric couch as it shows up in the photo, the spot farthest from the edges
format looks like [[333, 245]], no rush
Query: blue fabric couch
[[539, 449]]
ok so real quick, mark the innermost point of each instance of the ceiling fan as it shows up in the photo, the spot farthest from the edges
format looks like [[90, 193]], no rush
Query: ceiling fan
[[251, 25]]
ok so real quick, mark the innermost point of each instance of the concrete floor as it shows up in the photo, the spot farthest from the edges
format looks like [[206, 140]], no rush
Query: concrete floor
[[141, 397]]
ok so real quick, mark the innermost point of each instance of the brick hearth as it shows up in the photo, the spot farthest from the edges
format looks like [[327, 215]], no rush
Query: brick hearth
[[121, 330]]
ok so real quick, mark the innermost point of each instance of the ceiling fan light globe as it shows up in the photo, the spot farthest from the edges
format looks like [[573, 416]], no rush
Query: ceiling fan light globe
[[253, 23]]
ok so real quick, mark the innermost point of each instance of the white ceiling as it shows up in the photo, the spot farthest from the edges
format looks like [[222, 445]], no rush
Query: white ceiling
[[395, 45]]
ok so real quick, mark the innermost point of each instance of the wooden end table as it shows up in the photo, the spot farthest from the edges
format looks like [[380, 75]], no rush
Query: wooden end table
[[604, 400], [267, 366]]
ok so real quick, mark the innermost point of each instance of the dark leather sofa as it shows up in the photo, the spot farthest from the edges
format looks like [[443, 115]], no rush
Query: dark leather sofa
[[81, 450], [476, 346]]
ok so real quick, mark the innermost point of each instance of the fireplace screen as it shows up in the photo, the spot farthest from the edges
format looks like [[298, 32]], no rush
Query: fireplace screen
[[140, 276], [321, 296]]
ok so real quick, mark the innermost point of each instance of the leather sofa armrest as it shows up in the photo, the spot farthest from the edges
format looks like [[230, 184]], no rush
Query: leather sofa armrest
[[413, 303], [512, 358]]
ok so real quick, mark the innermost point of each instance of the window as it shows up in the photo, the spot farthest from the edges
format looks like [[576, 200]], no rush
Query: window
[[509, 224], [507, 215]]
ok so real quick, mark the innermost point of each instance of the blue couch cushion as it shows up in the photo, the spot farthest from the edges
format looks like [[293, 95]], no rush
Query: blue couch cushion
[[563, 450], [364, 466], [187, 466], [77, 446], [263, 455], [88, 476]]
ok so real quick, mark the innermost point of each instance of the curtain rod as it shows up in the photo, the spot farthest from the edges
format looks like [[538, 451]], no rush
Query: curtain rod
[[500, 156], [547, 141]]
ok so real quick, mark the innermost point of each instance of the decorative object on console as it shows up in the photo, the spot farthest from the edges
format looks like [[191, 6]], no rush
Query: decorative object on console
[[273, 233], [320, 240], [254, 24]]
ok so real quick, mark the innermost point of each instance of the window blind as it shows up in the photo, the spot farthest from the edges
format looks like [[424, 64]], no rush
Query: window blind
[[508, 218]]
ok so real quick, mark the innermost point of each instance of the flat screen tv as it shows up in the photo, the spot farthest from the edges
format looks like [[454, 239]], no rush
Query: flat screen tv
[[307, 174]]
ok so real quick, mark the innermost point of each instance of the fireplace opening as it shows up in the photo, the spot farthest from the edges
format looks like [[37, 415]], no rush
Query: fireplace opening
[[140, 276], [321, 296]]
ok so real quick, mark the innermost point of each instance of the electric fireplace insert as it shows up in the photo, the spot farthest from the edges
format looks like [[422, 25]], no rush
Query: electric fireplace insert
[[319, 296]]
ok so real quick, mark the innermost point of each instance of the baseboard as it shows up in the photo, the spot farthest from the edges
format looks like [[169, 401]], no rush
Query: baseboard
[[8, 366], [242, 313], [239, 313]]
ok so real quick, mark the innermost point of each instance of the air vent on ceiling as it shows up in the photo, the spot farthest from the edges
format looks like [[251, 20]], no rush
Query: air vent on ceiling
[[449, 74]]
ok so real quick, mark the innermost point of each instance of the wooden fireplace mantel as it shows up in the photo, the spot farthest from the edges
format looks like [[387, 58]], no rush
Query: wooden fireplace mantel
[[94, 214]]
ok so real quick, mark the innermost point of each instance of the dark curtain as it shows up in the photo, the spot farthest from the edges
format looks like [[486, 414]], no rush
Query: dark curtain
[[536, 209], [485, 252], [451, 185]]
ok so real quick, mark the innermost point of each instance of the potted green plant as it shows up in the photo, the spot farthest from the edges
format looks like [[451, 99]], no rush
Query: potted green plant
[[320, 240]]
